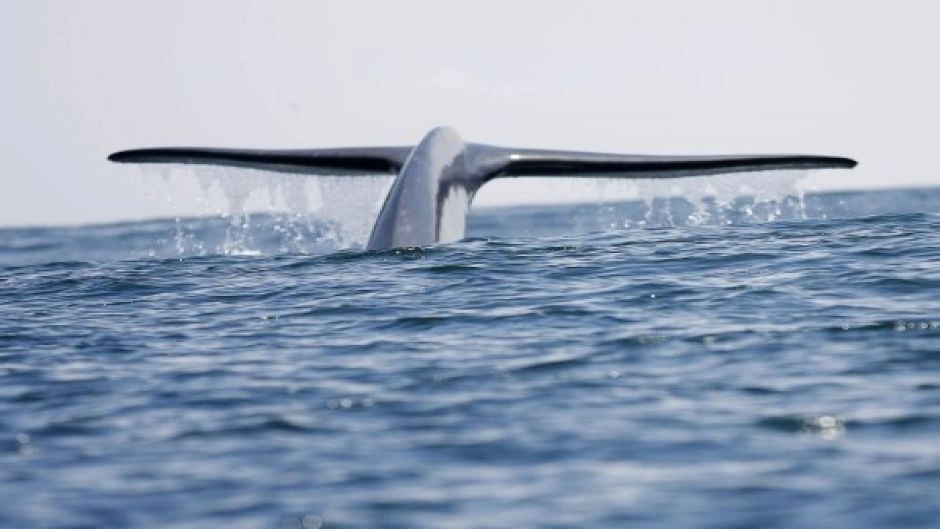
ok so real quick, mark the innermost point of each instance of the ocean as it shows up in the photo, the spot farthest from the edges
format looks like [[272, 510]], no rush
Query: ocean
[[651, 363]]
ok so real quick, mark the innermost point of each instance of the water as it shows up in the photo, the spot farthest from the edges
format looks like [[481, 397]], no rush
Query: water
[[662, 363]]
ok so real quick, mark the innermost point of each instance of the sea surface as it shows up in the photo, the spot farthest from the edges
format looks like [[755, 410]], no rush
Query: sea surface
[[658, 363]]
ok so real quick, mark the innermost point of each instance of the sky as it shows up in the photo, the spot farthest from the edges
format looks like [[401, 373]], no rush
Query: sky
[[79, 80]]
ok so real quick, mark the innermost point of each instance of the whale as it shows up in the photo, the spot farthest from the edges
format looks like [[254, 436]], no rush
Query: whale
[[437, 178]]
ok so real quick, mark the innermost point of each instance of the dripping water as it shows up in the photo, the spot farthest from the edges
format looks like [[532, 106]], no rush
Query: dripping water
[[263, 212]]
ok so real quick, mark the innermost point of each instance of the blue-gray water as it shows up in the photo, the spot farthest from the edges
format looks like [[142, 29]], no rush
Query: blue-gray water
[[555, 369]]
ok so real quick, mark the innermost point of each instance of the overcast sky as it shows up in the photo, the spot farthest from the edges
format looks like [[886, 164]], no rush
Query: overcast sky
[[80, 79]]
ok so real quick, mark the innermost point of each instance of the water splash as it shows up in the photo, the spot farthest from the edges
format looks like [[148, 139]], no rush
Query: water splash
[[718, 199], [312, 214], [267, 211], [453, 220]]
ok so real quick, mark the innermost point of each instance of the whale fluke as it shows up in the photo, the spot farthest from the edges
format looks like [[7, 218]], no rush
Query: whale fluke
[[340, 161], [438, 177], [536, 162]]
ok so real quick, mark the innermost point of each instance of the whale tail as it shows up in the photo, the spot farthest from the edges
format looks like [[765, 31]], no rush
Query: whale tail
[[438, 178], [491, 162], [339, 161], [538, 162]]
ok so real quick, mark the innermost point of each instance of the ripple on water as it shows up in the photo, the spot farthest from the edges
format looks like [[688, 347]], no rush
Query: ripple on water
[[674, 375]]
